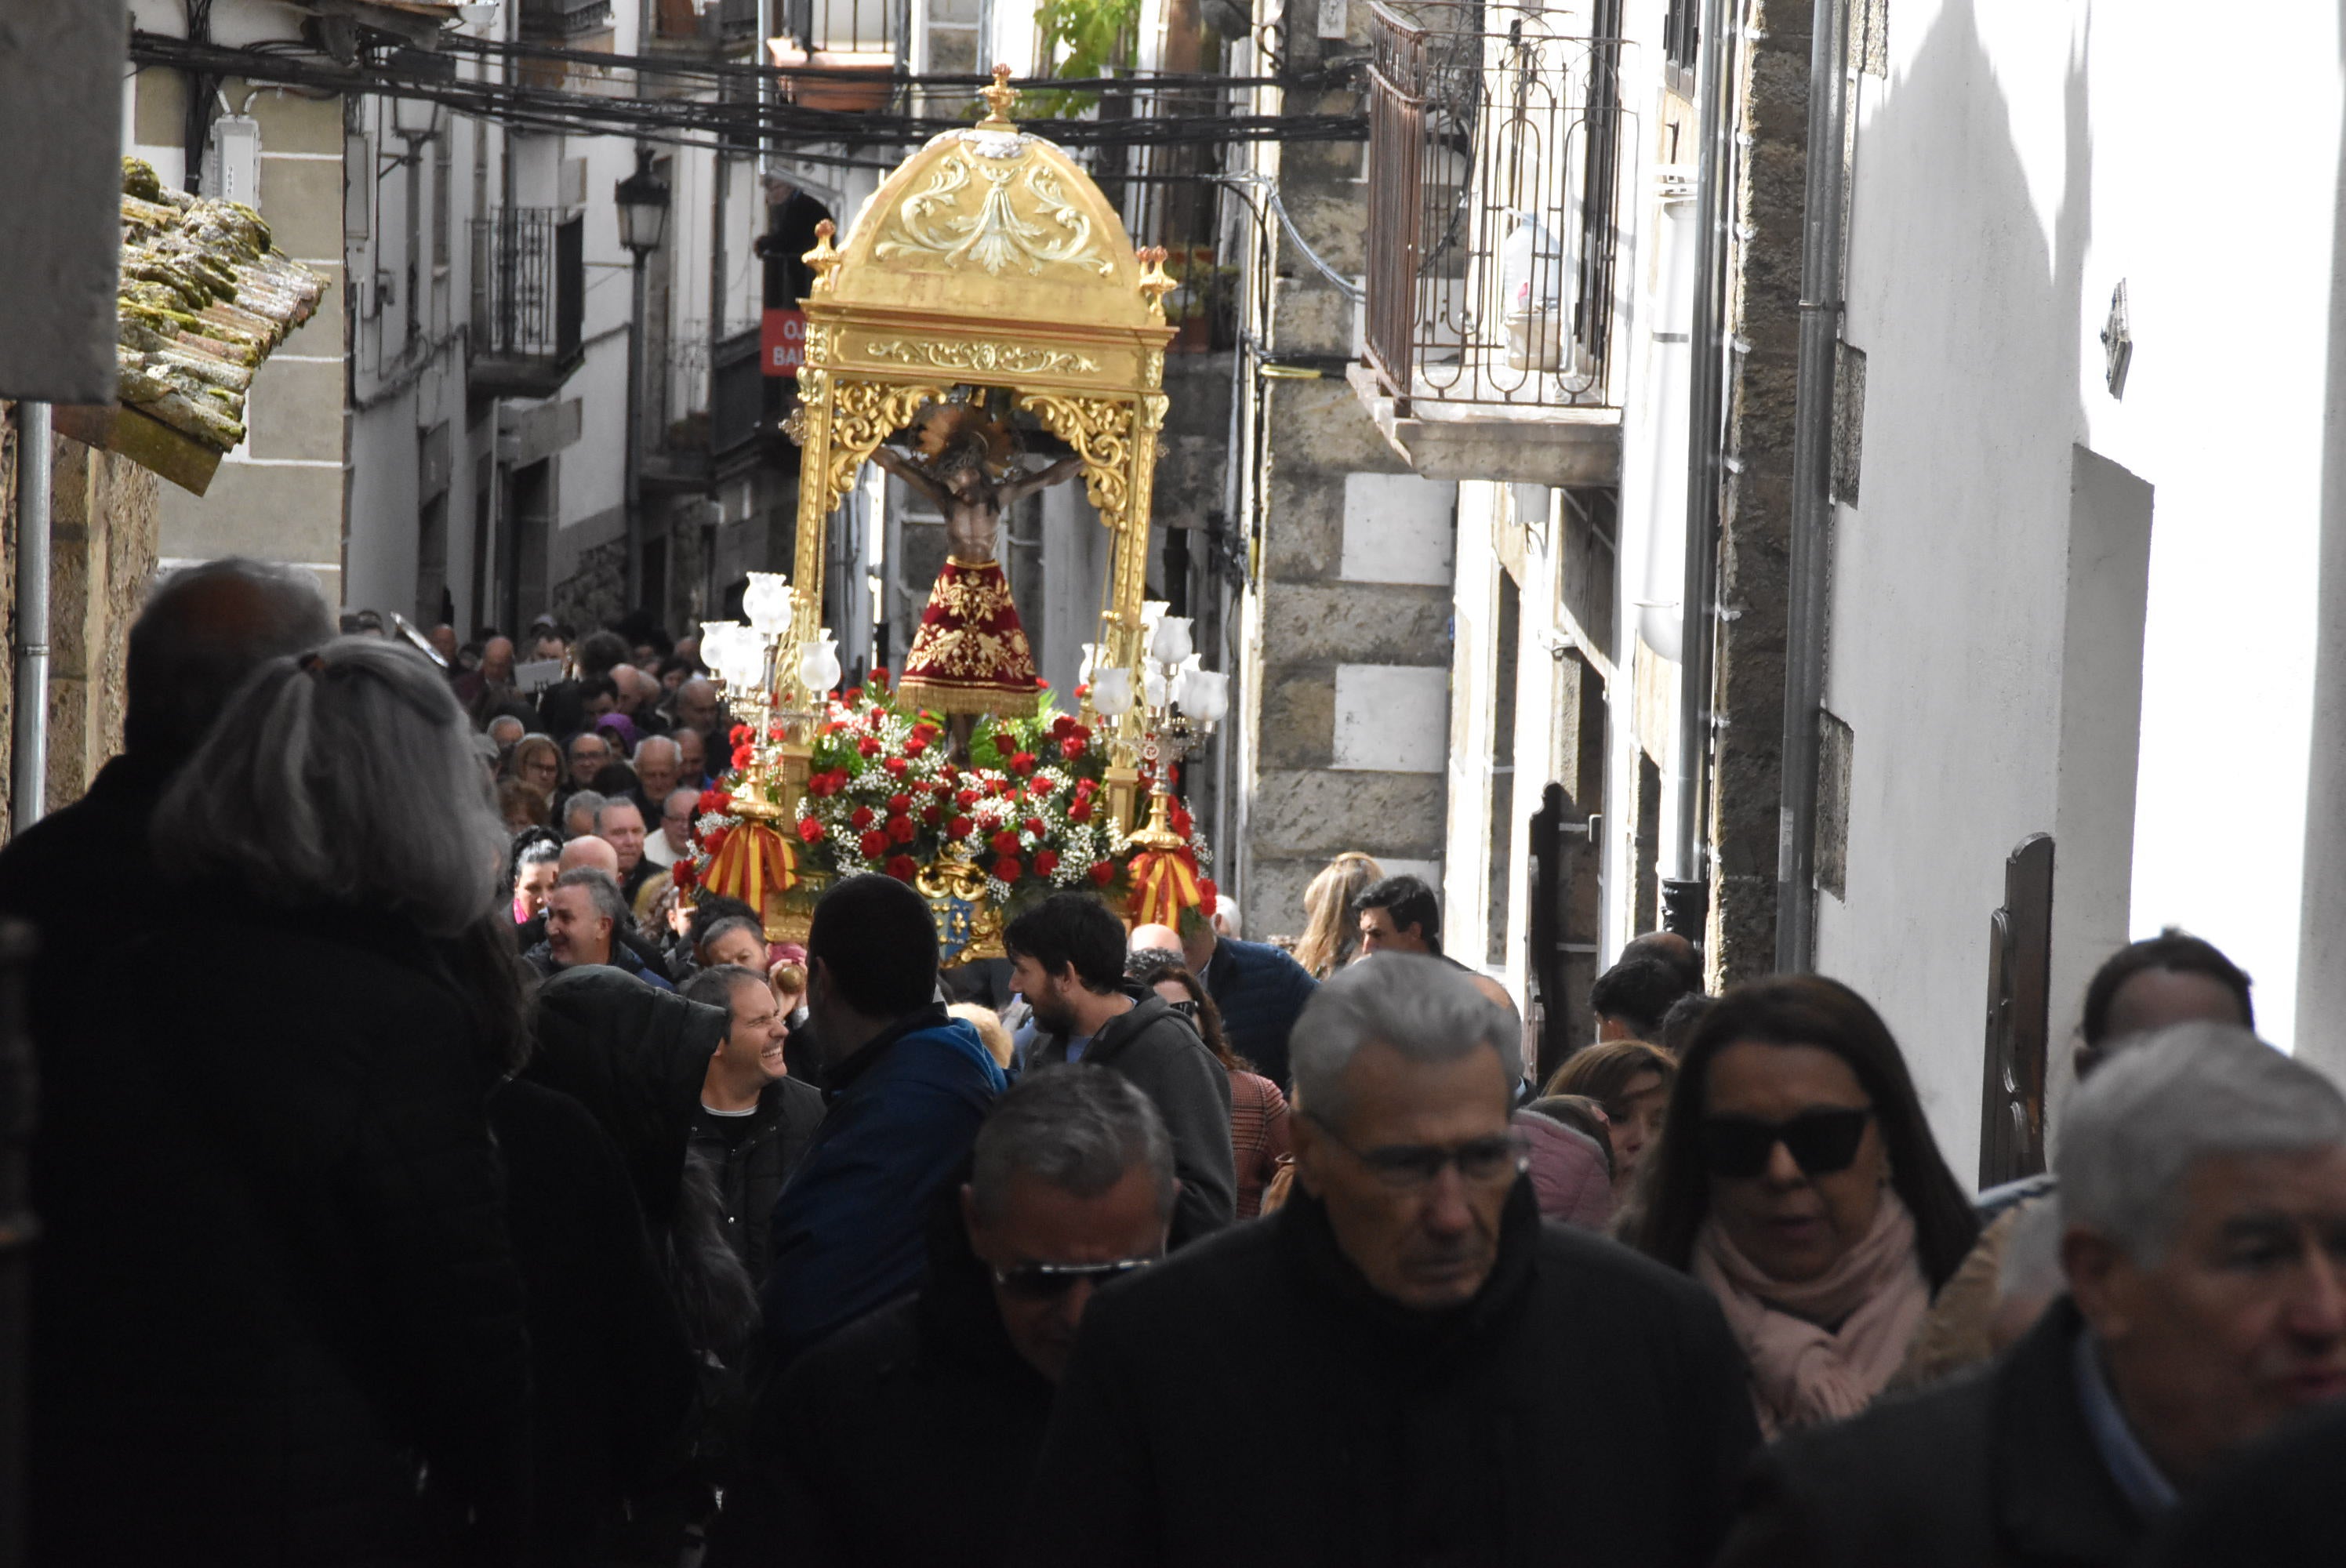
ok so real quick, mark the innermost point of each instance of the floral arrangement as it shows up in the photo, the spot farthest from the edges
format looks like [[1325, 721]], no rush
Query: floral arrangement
[[885, 794]]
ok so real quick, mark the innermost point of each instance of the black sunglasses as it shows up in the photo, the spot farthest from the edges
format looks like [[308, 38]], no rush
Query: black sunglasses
[[1049, 1281], [1820, 1141], [1187, 1007]]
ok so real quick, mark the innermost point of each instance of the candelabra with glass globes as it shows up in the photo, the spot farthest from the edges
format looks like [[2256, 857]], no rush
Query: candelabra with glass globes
[[748, 662], [1179, 703]]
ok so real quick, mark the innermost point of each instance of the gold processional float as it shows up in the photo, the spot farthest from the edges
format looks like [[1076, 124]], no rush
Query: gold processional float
[[986, 296]]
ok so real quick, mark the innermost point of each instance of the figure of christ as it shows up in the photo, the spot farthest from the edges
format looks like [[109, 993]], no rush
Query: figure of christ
[[970, 656]]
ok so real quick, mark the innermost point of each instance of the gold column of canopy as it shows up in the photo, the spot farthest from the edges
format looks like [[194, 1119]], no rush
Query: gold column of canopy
[[989, 259]]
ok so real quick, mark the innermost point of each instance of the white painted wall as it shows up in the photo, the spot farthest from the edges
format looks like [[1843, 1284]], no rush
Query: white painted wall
[[2018, 161]]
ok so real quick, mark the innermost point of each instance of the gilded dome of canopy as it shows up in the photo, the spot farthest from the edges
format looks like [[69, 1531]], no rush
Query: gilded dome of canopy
[[995, 224]]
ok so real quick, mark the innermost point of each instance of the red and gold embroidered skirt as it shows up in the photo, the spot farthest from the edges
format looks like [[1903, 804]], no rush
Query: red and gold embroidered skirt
[[970, 655]]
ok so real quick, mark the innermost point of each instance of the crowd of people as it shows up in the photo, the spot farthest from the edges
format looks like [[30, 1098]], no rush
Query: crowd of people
[[488, 1199]]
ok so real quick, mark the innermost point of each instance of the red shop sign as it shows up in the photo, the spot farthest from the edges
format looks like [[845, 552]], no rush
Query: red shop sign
[[781, 342]]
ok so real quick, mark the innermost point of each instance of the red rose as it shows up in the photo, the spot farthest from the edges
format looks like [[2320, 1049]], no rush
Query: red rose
[[810, 830], [838, 779], [915, 746], [960, 827], [1083, 732], [1022, 764], [899, 804], [1037, 826], [1071, 749], [820, 785], [855, 695], [1040, 790], [1083, 691], [901, 830], [741, 756], [1081, 811], [711, 843], [1046, 862], [873, 844], [943, 787], [880, 675], [869, 745], [1103, 871], [965, 799], [741, 735], [860, 819], [895, 767], [1005, 842], [1182, 821], [1209, 896], [902, 867], [1061, 726], [1042, 686], [684, 873], [931, 816], [1007, 868], [713, 802]]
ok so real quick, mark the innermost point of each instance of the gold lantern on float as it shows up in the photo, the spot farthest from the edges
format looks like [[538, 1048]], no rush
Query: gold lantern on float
[[989, 260]]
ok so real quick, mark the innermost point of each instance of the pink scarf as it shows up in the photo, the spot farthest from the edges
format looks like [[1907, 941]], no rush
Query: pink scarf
[[1803, 1373]]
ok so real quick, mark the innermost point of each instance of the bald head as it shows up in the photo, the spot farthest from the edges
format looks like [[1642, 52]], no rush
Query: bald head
[[206, 628], [497, 661], [1162, 937], [592, 852]]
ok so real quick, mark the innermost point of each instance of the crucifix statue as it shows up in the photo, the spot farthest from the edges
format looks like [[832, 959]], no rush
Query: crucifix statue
[[971, 655]]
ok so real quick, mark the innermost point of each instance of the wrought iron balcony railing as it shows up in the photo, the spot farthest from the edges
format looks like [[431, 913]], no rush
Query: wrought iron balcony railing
[[529, 296], [1494, 147]]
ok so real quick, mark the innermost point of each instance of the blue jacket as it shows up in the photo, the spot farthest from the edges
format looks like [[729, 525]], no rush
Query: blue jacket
[[848, 1228], [1260, 991]]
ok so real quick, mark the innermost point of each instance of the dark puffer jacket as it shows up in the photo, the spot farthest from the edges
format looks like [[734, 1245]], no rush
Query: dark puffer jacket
[[276, 1286], [750, 1170]]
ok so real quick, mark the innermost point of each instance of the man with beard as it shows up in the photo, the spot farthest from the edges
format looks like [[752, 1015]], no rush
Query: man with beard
[[1067, 960]]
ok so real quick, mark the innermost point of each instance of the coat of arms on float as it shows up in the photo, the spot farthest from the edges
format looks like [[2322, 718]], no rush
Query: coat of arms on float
[[987, 302]]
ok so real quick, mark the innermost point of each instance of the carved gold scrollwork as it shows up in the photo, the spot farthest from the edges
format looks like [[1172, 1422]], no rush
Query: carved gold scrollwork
[[1100, 430], [1017, 359], [999, 235], [863, 415]]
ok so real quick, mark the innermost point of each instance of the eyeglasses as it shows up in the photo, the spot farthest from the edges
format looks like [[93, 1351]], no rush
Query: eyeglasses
[[1820, 1141], [1187, 1007], [1049, 1281], [1404, 1167]]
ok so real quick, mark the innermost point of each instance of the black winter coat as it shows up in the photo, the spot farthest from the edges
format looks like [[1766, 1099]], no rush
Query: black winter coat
[[750, 1170], [1586, 1407], [1160, 1051], [276, 1285], [1996, 1469], [617, 1384], [904, 1440]]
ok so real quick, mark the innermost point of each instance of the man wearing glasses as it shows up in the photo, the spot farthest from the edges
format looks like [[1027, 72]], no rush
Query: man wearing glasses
[[1447, 1379], [947, 1393]]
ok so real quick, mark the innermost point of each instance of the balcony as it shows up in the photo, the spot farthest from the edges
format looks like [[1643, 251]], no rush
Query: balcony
[[562, 22], [1494, 143], [529, 293], [704, 408], [722, 28], [844, 53]]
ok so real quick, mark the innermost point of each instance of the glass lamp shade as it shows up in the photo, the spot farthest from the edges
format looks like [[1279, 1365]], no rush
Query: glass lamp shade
[[1112, 692], [715, 646], [642, 199], [819, 667], [1170, 645], [1153, 687], [1206, 695], [1177, 683], [768, 601], [415, 118], [1091, 663], [740, 657]]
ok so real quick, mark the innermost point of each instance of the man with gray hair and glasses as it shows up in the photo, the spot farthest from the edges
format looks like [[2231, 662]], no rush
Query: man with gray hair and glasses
[[1071, 1189], [2203, 1240], [1456, 1380]]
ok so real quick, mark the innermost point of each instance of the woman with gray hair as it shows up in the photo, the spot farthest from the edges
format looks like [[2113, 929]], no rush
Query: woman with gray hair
[[290, 1303]]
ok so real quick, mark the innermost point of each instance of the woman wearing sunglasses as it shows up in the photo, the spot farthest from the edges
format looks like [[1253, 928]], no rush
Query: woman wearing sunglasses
[[1797, 1178]]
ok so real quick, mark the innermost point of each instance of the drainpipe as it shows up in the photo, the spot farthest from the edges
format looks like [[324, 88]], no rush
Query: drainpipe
[[1804, 623], [1687, 893], [29, 784]]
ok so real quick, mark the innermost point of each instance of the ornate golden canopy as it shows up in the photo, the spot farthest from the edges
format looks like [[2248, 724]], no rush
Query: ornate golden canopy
[[988, 258]]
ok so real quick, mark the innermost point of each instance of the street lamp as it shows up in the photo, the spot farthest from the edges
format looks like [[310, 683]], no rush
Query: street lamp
[[642, 197]]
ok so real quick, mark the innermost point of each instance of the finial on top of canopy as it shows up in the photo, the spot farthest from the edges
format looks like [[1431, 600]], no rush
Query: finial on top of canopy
[[1155, 281], [823, 258], [998, 99]]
